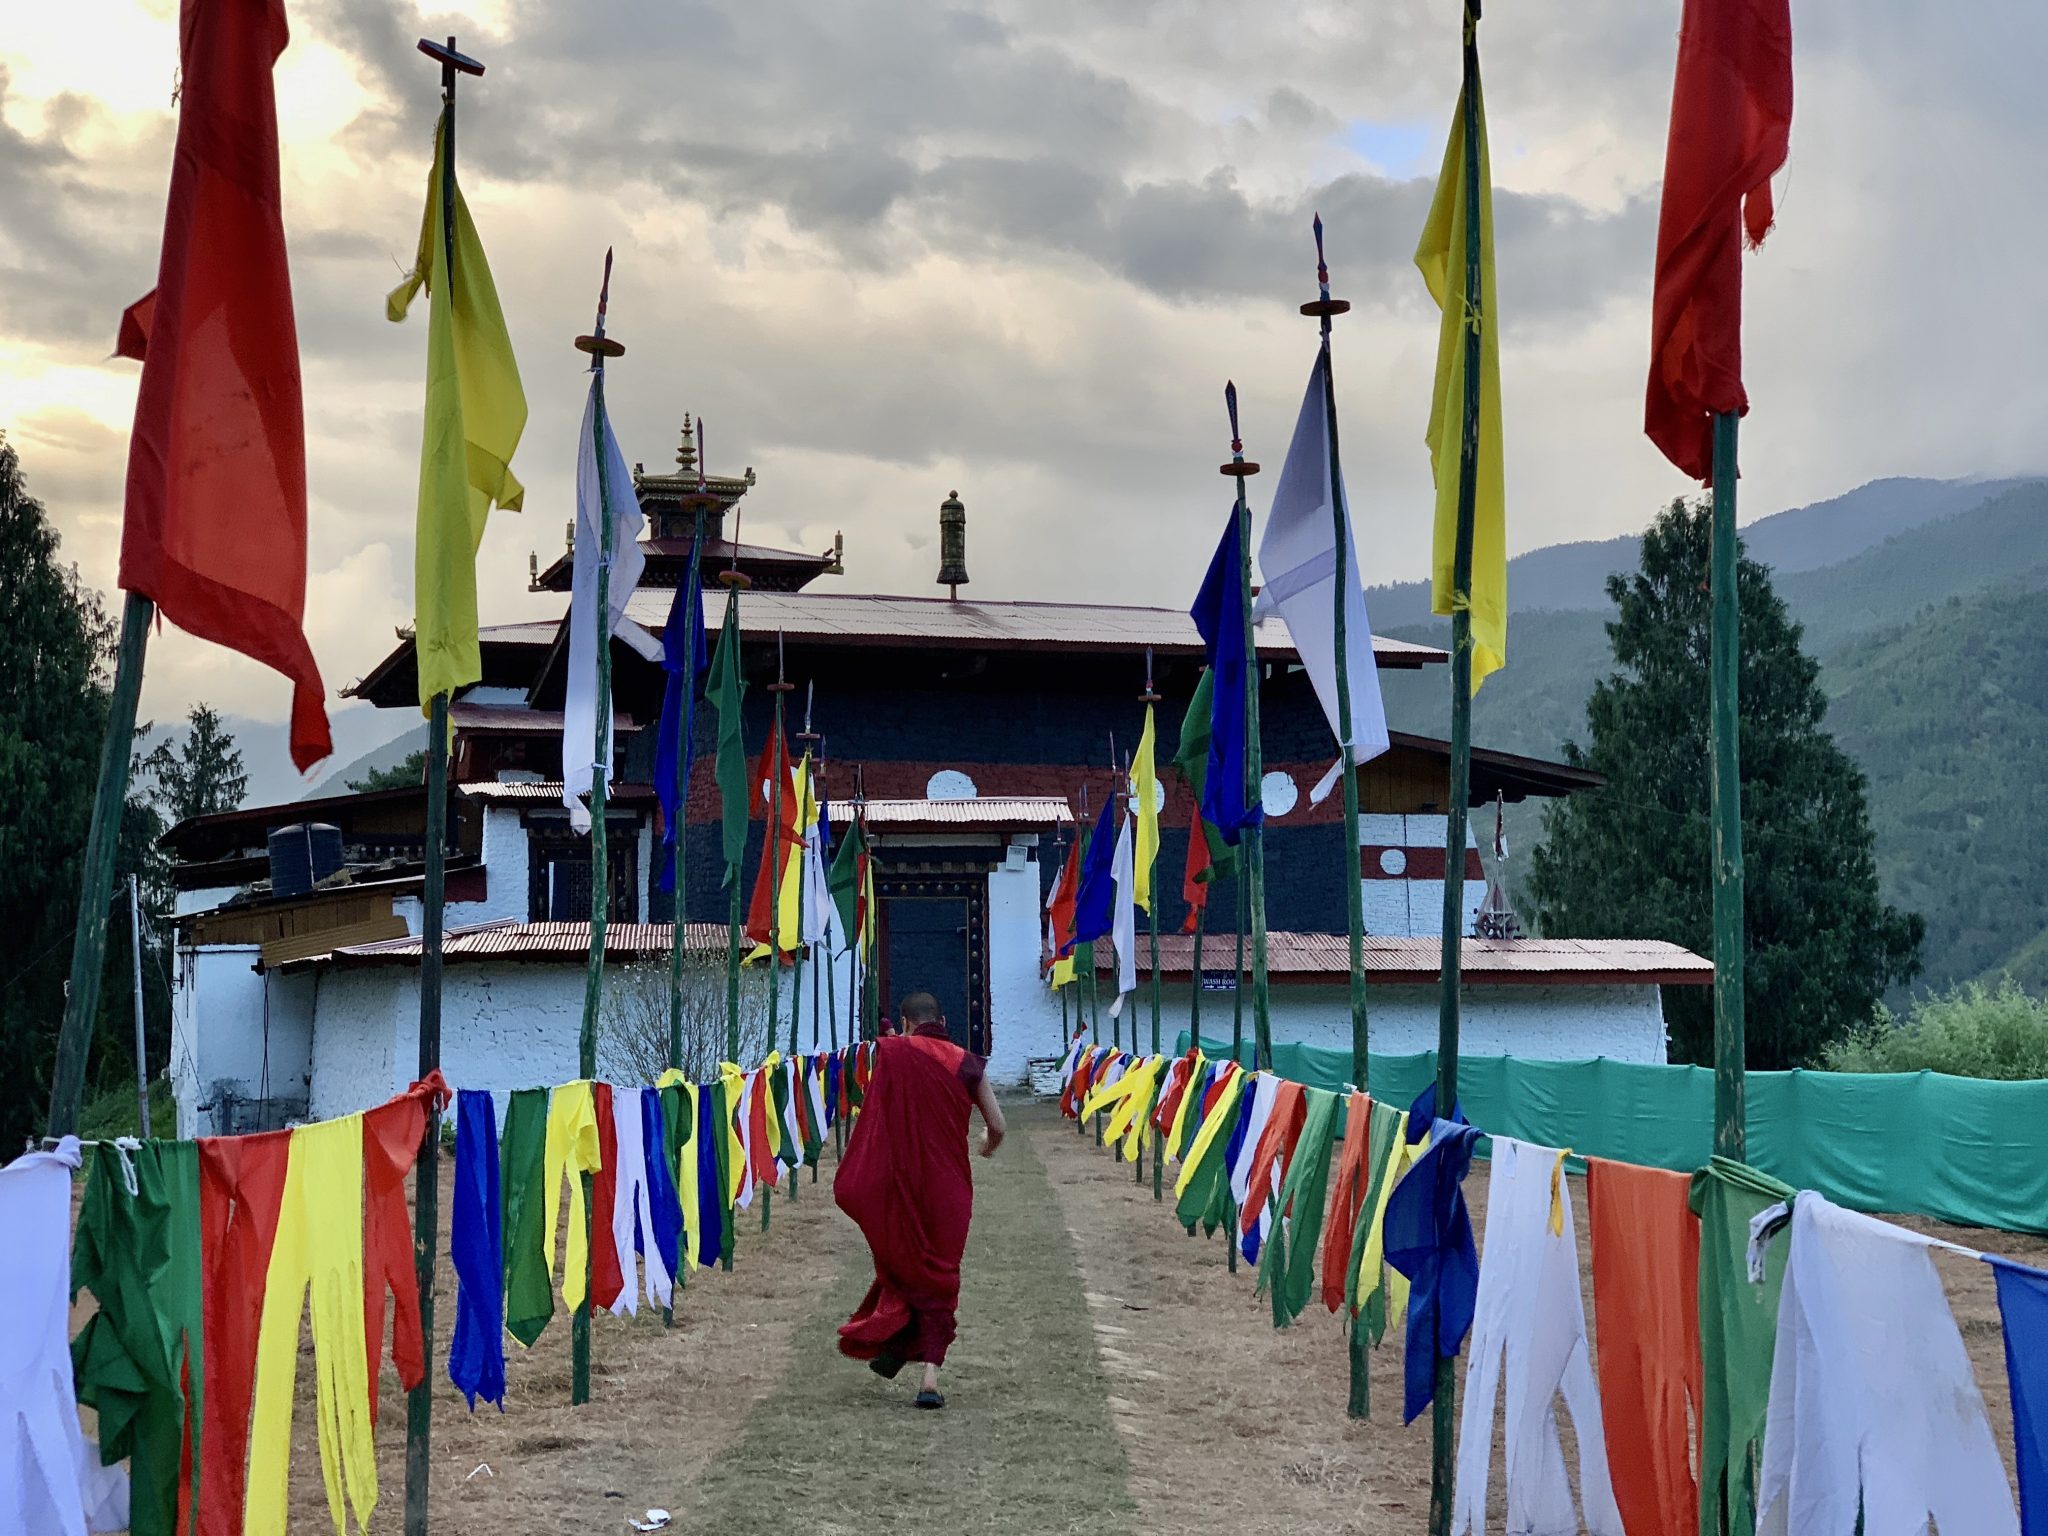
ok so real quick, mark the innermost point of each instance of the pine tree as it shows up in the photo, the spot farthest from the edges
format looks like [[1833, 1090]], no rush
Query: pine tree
[[1632, 860], [55, 644], [203, 774], [407, 774]]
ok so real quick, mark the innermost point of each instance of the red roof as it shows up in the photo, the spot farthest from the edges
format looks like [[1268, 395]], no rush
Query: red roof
[[867, 619], [1309, 958]]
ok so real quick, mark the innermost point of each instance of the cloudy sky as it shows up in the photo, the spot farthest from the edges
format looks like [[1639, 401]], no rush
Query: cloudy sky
[[1015, 247]]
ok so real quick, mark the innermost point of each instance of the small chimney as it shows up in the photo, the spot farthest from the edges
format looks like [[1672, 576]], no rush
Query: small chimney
[[953, 544]]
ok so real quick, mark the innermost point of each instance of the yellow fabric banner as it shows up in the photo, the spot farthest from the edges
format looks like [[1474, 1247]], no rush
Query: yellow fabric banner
[[1145, 786], [1441, 257], [476, 411]]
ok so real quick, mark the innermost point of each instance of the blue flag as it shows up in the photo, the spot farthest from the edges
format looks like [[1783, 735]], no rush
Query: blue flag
[[476, 1350], [2023, 1304], [686, 657], [1219, 614], [1429, 1239], [1095, 900]]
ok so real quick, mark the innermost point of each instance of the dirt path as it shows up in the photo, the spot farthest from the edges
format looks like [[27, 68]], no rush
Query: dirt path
[[1025, 1444]]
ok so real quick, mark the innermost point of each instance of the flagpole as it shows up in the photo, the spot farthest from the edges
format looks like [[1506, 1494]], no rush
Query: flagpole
[[693, 622], [1242, 881], [772, 851], [419, 1403], [599, 347], [96, 884], [1150, 699], [796, 975], [1443, 1419], [735, 582], [1240, 469], [1730, 1091]]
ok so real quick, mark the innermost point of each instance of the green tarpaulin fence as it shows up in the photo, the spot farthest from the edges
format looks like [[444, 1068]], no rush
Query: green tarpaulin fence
[[1955, 1148]]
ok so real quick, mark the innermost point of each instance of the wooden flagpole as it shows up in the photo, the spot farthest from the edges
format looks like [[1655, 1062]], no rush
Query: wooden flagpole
[[1150, 698], [419, 1404], [693, 621], [599, 347], [1254, 839], [1443, 1419], [1324, 308], [771, 849]]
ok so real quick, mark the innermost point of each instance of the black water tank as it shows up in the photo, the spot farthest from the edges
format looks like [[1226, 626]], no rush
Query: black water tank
[[303, 855]]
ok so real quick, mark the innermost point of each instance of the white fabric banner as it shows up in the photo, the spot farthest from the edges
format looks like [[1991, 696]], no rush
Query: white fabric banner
[[1298, 559], [1123, 931], [579, 707]]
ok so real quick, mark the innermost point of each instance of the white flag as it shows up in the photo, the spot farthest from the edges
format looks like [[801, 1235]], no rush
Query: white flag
[[579, 708], [819, 914], [1298, 559], [1123, 930]]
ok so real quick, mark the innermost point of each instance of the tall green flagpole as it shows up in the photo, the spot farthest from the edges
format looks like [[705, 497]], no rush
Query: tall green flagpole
[[419, 1403], [693, 619], [1150, 699], [1730, 1111], [771, 849], [1324, 308], [1443, 1420], [599, 346], [1240, 469]]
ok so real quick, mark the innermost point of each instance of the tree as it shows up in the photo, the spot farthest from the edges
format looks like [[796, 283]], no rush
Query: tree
[[409, 774], [55, 642], [203, 775], [1632, 860]]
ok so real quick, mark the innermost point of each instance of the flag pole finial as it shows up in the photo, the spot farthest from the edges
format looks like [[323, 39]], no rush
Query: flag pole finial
[[597, 344], [1239, 466], [1149, 696], [781, 683], [1323, 306]]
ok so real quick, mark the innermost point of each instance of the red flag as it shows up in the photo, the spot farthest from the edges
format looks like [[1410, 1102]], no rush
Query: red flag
[[774, 761], [1731, 126], [1062, 911], [1194, 881], [215, 527]]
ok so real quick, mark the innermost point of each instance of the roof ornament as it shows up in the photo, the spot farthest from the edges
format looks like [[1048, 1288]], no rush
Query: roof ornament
[[1496, 919], [953, 544], [686, 456]]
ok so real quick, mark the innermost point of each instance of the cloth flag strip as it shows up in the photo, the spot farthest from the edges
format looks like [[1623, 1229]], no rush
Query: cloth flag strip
[[1298, 555], [476, 411], [603, 483], [1060, 916], [214, 523], [1441, 257], [851, 885], [1124, 917], [1095, 899], [1146, 793], [685, 658], [727, 690], [1219, 613], [1731, 128]]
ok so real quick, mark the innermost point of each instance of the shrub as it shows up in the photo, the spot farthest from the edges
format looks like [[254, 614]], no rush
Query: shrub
[[1968, 1031]]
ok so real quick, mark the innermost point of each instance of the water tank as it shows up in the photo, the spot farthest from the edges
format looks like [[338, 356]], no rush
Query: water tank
[[302, 855]]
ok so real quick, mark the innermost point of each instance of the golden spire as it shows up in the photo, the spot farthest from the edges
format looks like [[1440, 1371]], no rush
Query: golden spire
[[686, 456]]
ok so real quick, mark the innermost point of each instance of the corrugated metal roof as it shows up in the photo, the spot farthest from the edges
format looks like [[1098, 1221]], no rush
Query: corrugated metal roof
[[858, 617], [1326, 957], [465, 716], [493, 793], [513, 940], [1022, 811]]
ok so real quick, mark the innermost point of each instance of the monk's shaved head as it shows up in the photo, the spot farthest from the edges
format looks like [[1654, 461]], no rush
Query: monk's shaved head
[[919, 1008]]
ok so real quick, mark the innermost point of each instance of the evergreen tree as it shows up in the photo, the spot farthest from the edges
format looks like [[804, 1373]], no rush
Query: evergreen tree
[[201, 776], [55, 645], [407, 774], [1633, 860]]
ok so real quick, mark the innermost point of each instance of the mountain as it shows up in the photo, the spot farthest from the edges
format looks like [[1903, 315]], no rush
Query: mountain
[[389, 755], [1928, 621], [1574, 576]]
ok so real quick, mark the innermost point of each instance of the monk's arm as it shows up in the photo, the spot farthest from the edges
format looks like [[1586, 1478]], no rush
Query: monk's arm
[[991, 1116]]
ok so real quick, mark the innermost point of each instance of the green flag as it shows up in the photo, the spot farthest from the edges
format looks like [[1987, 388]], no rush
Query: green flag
[[727, 687], [1191, 762], [844, 881], [1292, 1246]]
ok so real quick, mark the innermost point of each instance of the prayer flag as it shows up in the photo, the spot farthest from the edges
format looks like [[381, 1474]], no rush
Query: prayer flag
[[685, 657], [1191, 762], [1096, 894], [1731, 127], [1124, 922], [604, 489], [1145, 787], [727, 688], [476, 411], [214, 526], [1062, 908], [1220, 615], [1441, 257], [2023, 1306], [1298, 557], [1195, 878], [847, 882]]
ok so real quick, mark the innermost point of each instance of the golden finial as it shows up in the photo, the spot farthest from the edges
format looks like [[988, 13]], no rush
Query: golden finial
[[686, 456]]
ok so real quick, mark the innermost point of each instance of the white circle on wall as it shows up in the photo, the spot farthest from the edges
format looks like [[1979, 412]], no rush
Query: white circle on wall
[[1277, 793], [1393, 861], [950, 784], [1158, 796]]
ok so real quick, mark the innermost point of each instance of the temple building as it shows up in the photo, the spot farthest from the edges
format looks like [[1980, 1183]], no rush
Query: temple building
[[979, 731]]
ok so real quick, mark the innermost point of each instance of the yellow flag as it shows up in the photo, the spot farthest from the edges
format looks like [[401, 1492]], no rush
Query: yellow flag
[[1441, 256], [1145, 786], [475, 413]]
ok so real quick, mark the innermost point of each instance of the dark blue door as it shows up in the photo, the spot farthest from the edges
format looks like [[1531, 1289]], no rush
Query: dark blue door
[[927, 951]]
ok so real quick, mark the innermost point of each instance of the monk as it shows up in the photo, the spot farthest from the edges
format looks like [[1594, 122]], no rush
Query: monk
[[905, 1183]]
